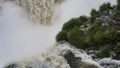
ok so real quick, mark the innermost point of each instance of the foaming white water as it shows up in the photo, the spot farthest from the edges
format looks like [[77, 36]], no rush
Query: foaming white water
[[109, 63], [54, 58], [20, 38]]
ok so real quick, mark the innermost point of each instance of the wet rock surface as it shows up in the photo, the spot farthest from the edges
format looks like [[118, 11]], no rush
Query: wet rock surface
[[109, 62], [76, 62], [73, 61]]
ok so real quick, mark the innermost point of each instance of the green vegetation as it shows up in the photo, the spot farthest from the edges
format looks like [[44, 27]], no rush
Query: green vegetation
[[93, 13], [118, 2], [76, 37], [105, 6], [103, 52], [101, 36], [116, 14], [75, 22], [117, 49], [61, 36]]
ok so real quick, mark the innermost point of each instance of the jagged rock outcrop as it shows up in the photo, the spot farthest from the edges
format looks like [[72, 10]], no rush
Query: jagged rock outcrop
[[73, 61], [107, 16]]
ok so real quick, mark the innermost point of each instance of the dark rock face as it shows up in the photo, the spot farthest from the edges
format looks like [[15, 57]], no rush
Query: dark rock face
[[11, 66], [72, 60], [117, 56], [75, 62]]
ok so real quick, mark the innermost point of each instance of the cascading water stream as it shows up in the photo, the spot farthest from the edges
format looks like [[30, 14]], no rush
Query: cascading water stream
[[42, 11]]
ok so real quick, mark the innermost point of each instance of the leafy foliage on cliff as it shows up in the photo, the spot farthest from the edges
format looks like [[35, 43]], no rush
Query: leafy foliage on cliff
[[100, 31]]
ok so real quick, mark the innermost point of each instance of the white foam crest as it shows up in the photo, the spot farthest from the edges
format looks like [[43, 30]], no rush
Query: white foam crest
[[54, 58]]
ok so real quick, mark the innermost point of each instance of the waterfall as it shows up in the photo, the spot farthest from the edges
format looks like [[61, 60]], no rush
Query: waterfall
[[42, 11], [39, 11]]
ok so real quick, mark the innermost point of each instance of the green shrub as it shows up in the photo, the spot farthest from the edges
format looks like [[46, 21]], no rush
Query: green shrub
[[99, 36], [76, 37], [82, 19], [112, 34], [75, 22], [92, 20], [117, 47], [118, 8], [89, 41], [117, 37], [93, 13], [116, 14], [118, 2], [103, 52], [105, 6], [71, 24], [95, 27], [118, 5], [61, 36]]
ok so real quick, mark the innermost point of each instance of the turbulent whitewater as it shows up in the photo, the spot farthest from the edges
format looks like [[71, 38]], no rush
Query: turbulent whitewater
[[56, 57], [59, 56], [39, 11]]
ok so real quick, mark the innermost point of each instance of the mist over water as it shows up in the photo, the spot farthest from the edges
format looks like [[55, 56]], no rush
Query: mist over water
[[20, 38]]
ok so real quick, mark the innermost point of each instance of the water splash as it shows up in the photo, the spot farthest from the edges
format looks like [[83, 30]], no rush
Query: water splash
[[54, 58], [109, 63]]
